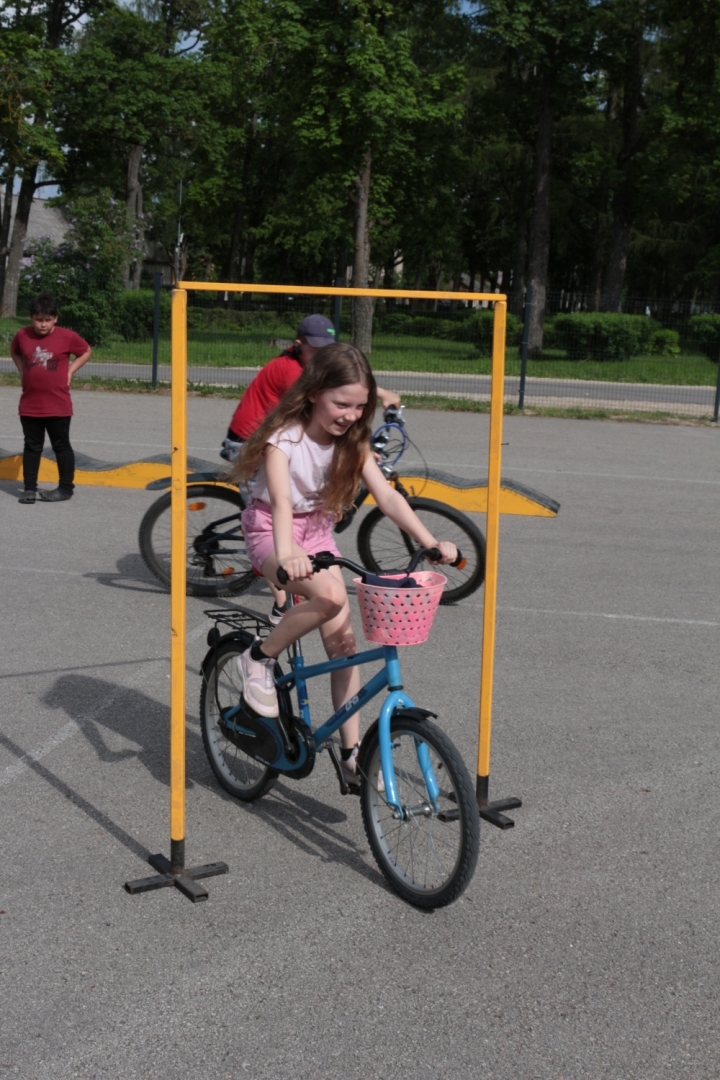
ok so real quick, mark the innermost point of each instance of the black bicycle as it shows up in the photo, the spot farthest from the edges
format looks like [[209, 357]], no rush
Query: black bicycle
[[217, 560]]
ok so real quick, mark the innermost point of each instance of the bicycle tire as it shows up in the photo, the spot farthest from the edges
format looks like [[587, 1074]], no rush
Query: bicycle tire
[[428, 861], [383, 546], [236, 771], [213, 576]]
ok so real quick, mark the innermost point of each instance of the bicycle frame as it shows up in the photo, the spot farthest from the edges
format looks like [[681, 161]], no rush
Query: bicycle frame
[[389, 676]]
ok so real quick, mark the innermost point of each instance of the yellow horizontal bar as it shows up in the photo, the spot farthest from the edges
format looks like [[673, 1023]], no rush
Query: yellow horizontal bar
[[330, 290]]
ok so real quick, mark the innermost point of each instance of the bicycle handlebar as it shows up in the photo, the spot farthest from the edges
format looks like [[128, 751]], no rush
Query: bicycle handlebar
[[394, 415], [325, 559]]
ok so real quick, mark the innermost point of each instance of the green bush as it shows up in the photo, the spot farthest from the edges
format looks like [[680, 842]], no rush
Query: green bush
[[135, 314], [478, 329], [91, 319], [705, 329], [665, 342], [604, 335], [392, 323], [234, 321]]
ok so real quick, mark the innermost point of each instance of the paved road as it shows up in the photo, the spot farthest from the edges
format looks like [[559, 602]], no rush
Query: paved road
[[587, 944], [694, 400]]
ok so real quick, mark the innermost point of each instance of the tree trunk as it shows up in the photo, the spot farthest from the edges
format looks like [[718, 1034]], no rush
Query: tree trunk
[[614, 280], [133, 201], [17, 246], [5, 225], [517, 298], [540, 235], [362, 306], [617, 264]]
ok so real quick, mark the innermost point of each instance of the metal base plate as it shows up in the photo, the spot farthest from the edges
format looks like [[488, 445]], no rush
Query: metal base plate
[[184, 879]]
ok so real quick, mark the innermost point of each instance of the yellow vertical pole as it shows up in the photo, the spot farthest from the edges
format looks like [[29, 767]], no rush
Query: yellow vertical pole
[[178, 515], [497, 395]]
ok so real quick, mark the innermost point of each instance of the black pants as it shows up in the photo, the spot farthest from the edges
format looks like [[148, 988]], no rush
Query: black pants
[[58, 429]]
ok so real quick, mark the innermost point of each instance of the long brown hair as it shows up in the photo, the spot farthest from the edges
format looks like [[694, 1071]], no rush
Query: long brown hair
[[332, 366]]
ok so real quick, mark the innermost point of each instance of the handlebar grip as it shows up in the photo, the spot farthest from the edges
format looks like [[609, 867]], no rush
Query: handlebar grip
[[281, 576], [434, 555]]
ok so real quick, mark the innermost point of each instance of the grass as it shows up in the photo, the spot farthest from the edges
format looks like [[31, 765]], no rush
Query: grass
[[394, 352]]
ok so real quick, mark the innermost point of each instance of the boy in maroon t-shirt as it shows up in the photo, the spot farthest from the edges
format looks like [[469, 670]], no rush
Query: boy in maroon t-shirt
[[41, 353]]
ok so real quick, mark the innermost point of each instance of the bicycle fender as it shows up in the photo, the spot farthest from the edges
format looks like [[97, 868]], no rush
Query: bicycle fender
[[233, 635], [414, 714]]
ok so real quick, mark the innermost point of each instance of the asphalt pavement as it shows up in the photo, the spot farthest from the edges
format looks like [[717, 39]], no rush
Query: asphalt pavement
[[585, 948], [539, 393]]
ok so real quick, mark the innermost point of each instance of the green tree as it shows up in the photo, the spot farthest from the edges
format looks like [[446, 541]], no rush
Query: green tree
[[39, 28]]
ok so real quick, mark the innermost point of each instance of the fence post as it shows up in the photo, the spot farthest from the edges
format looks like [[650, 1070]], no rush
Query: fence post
[[716, 410], [156, 328], [337, 307], [526, 337]]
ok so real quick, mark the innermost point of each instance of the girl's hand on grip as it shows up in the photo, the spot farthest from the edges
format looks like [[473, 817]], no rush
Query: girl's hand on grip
[[297, 567], [449, 551]]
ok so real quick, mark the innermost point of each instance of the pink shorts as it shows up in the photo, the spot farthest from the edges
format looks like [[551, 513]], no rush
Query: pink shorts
[[312, 532]]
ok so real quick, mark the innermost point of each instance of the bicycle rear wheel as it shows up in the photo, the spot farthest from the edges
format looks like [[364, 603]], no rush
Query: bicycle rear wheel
[[222, 686], [429, 855], [217, 562], [383, 546]]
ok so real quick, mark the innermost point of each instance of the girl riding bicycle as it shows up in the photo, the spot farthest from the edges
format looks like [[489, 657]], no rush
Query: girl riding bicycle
[[304, 465]]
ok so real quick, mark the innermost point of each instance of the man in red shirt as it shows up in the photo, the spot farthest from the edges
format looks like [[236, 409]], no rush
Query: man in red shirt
[[278, 375], [41, 354]]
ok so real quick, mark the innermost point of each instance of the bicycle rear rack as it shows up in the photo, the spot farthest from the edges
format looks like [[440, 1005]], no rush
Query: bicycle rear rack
[[241, 618]]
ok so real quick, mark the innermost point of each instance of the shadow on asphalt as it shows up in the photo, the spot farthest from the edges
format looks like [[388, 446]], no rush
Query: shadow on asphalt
[[77, 800], [131, 575], [98, 707]]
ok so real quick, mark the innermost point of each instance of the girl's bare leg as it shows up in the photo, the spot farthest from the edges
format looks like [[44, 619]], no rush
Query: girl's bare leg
[[327, 609], [339, 640], [279, 595]]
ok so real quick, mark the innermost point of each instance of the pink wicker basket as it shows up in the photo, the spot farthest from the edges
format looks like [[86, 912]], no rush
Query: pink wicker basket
[[400, 616]]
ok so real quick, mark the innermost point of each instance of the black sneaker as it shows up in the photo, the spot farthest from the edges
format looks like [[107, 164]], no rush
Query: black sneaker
[[277, 613], [28, 497]]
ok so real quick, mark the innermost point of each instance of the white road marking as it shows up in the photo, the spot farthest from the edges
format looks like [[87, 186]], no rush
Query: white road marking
[[12, 772], [608, 615]]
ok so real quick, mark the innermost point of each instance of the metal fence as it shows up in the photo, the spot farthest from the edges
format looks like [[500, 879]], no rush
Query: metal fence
[[649, 357]]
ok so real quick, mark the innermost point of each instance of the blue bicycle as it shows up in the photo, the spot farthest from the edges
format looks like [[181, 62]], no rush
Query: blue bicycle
[[417, 799]]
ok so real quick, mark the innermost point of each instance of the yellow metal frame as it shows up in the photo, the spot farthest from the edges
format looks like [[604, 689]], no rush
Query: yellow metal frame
[[179, 510], [178, 519]]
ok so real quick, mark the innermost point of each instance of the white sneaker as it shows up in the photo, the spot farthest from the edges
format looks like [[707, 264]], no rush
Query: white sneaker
[[258, 683]]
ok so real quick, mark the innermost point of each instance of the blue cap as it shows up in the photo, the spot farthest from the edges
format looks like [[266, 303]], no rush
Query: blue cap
[[317, 331]]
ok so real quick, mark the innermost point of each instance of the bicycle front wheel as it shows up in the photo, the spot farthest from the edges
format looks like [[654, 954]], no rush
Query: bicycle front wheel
[[222, 686], [428, 854], [383, 546], [217, 561]]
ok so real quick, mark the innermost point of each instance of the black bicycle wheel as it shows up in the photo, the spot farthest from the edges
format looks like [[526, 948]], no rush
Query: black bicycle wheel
[[217, 562], [383, 546], [429, 854], [222, 686]]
